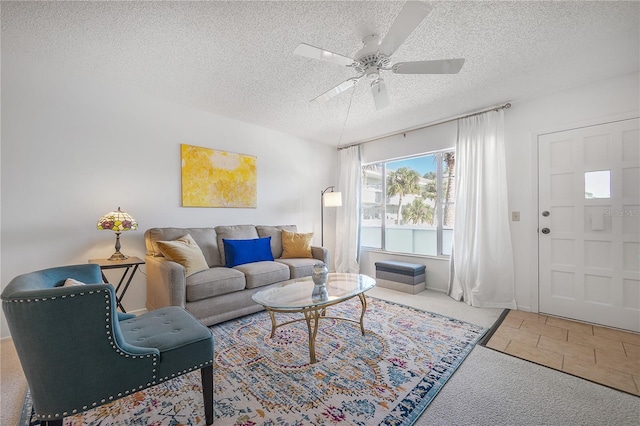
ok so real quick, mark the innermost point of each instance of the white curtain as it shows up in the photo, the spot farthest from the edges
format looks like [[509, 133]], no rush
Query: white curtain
[[348, 215], [482, 271]]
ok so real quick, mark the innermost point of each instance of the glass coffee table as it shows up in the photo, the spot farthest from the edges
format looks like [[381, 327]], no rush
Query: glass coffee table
[[297, 295]]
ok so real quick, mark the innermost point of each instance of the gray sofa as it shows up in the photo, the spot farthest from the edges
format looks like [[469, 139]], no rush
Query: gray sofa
[[220, 293]]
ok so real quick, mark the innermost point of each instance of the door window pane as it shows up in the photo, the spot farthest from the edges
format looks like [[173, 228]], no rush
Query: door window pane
[[597, 184]]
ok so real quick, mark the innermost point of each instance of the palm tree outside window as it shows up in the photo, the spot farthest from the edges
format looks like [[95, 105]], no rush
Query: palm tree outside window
[[408, 204]]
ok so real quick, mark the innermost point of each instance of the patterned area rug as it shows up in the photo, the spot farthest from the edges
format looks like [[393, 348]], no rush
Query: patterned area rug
[[388, 376]]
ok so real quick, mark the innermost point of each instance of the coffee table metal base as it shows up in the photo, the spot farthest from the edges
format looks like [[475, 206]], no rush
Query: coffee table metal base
[[312, 315]]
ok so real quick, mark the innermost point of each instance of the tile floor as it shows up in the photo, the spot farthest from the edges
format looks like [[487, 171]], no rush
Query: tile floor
[[603, 355]]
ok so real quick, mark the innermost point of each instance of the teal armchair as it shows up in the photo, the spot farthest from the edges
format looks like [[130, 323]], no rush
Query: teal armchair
[[78, 353]]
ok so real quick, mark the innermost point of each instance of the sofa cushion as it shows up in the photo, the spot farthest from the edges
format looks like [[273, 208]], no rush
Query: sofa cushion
[[186, 252], [234, 232], [214, 282], [239, 252], [296, 245], [259, 274], [299, 268], [275, 232], [204, 237]]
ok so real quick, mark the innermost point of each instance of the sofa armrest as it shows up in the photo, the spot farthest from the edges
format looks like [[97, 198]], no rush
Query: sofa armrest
[[166, 283], [321, 254]]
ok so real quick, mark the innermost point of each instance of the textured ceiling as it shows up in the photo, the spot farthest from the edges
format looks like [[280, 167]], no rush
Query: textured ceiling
[[235, 58]]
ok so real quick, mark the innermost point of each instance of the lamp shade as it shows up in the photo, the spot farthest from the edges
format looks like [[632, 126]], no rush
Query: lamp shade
[[332, 199], [117, 221]]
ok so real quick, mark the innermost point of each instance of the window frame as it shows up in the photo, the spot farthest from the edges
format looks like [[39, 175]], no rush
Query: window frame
[[439, 205]]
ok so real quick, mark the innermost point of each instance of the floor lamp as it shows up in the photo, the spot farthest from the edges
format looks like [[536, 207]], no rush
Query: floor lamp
[[328, 198]]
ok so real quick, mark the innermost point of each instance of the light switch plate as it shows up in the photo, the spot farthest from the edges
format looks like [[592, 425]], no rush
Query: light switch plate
[[515, 216]]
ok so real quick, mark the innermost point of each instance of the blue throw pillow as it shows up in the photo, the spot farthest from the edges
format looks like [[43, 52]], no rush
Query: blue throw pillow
[[239, 252]]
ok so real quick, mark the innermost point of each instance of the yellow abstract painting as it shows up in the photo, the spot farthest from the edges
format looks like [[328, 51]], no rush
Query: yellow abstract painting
[[212, 178]]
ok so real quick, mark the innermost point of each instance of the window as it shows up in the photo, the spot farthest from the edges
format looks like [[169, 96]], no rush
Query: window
[[408, 204], [597, 184]]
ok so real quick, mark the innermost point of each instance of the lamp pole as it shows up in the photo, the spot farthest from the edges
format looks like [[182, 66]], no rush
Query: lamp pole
[[322, 213]]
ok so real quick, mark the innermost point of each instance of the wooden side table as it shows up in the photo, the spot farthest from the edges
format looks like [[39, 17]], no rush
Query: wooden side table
[[126, 264]]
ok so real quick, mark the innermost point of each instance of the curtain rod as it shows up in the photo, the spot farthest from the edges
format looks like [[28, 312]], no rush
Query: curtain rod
[[505, 106]]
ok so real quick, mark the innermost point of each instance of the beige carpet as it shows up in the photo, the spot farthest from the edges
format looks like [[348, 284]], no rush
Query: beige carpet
[[603, 355], [12, 383]]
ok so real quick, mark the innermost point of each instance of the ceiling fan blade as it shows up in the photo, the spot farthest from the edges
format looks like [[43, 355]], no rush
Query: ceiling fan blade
[[412, 13], [313, 52], [443, 66], [345, 85], [380, 94]]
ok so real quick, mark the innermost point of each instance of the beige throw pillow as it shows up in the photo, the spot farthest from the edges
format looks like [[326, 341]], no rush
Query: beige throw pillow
[[186, 252], [296, 245]]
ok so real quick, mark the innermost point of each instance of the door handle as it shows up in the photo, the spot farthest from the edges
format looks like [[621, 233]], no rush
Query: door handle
[[546, 230], [545, 213]]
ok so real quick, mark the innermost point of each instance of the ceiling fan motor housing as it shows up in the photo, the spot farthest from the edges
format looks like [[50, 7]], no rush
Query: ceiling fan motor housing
[[369, 59], [370, 64]]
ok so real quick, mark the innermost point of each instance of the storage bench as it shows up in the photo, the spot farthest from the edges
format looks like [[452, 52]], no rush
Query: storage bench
[[401, 276]]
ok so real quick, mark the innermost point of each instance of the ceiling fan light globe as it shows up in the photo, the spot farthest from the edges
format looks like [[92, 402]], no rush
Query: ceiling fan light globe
[[380, 94]]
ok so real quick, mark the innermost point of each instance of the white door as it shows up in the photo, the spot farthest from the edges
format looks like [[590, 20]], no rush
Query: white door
[[589, 224]]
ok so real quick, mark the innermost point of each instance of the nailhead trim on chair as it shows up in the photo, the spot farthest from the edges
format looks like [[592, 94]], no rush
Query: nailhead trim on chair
[[113, 345]]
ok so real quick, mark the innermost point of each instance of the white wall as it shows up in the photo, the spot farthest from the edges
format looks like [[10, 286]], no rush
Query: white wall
[[587, 105], [73, 150], [526, 119]]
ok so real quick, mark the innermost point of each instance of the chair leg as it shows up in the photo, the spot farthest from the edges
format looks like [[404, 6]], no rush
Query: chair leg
[[58, 422], [207, 392]]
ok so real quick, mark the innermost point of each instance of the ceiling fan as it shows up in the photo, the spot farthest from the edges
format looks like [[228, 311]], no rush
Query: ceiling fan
[[375, 56]]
